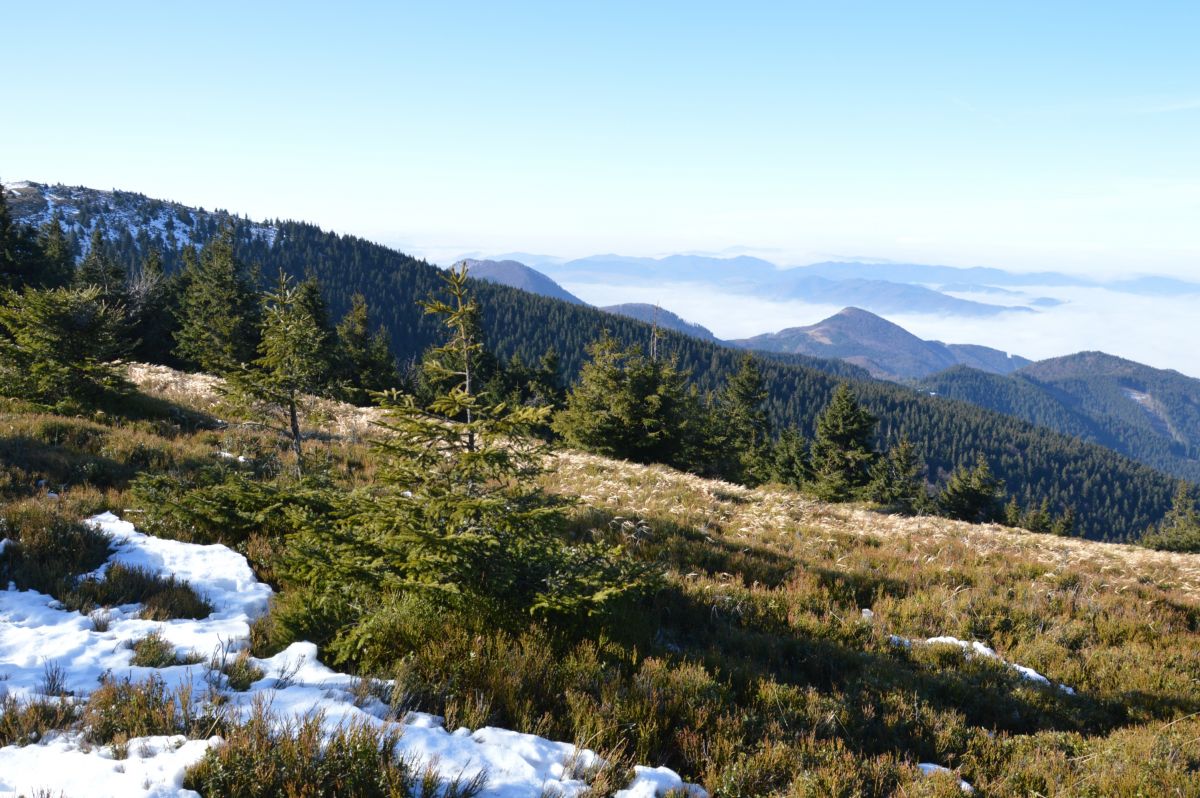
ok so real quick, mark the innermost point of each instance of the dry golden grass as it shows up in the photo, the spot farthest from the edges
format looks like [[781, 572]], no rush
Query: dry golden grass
[[786, 520]]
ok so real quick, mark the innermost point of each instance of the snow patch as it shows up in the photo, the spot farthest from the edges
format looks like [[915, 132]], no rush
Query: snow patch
[[930, 769], [975, 648], [36, 631]]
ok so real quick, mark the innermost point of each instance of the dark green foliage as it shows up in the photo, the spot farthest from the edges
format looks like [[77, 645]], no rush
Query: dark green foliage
[[789, 459], [1091, 395], [456, 518], [56, 347], [744, 430], [102, 272], [971, 494], [218, 309], [152, 302], [294, 361], [634, 407], [897, 481], [223, 505], [57, 266], [1180, 529], [842, 452], [364, 359]]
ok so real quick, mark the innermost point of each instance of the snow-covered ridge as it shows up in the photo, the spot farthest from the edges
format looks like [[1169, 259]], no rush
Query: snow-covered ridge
[[35, 630], [165, 225]]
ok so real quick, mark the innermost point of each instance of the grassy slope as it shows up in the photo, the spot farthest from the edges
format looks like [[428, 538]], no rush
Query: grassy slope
[[754, 670]]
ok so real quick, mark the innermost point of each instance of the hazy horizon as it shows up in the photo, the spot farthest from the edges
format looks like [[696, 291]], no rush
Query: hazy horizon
[[1056, 137]]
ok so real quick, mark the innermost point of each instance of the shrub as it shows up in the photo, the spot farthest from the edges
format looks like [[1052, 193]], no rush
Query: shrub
[[154, 651], [163, 598], [268, 757]]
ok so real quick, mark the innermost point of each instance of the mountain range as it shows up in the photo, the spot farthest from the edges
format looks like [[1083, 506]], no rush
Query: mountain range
[[884, 349], [1114, 497]]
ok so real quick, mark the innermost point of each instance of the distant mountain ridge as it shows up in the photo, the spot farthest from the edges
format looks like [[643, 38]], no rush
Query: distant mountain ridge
[[748, 275], [518, 275], [1151, 415], [653, 314], [884, 349]]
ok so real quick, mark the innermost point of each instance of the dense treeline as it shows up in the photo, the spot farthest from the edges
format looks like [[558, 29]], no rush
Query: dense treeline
[[1113, 498], [1096, 408]]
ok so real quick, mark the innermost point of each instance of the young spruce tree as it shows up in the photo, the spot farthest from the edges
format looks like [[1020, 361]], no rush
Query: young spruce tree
[[456, 519], [290, 366], [218, 309], [842, 452]]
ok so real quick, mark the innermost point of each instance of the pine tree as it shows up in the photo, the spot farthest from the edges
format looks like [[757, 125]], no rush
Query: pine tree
[[459, 518], [218, 309], [58, 264], [634, 407], [971, 494], [290, 366], [789, 460], [364, 361], [896, 479], [99, 269], [9, 250], [1180, 528], [842, 452], [152, 306], [741, 409], [57, 346]]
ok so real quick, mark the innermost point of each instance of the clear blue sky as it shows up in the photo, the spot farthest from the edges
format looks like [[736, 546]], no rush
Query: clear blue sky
[[1020, 135]]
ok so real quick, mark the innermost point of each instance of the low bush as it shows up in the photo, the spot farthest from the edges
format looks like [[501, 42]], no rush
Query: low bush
[[268, 757], [163, 597]]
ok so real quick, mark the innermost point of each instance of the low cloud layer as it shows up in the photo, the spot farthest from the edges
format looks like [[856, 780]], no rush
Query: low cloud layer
[[1157, 331]]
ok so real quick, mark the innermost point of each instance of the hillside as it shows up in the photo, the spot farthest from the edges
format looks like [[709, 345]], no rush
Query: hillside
[[886, 350], [518, 275], [661, 318], [790, 647], [1114, 498], [1151, 415]]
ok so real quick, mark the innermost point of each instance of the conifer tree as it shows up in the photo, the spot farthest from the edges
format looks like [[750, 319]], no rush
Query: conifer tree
[[58, 265], [9, 252], [742, 418], [1179, 529], [971, 494], [896, 480], [365, 361], [101, 270], [290, 366], [458, 518], [842, 452], [218, 309], [152, 301], [57, 346], [789, 460], [631, 406]]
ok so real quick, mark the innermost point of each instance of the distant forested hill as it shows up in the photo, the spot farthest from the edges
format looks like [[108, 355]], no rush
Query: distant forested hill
[[1151, 415], [1115, 498]]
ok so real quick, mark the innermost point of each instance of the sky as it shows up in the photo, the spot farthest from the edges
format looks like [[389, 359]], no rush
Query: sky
[[1018, 135]]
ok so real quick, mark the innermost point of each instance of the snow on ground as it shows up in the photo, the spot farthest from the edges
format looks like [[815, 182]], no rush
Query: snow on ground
[[975, 648], [930, 769], [36, 632]]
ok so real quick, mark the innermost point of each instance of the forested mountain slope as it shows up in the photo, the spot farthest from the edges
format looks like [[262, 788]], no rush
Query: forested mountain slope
[[1114, 497], [1151, 415]]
